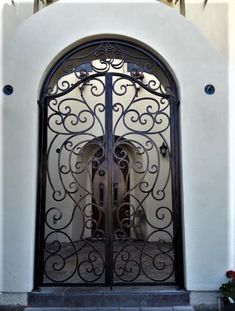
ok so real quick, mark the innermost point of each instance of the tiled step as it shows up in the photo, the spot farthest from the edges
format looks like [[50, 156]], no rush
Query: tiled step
[[102, 297], [176, 308]]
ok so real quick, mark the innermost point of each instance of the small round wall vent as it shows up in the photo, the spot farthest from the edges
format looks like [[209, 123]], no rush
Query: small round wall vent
[[7, 89], [209, 89]]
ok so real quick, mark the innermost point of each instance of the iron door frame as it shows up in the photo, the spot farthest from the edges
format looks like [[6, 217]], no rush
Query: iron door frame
[[42, 160]]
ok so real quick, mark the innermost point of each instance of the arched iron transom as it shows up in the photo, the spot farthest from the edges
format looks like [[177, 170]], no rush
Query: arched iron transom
[[108, 194]]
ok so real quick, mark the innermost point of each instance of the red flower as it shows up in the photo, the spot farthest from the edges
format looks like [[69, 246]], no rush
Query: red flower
[[230, 274]]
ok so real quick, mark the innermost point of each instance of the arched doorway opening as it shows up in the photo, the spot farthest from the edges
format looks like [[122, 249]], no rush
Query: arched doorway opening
[[109, 186]]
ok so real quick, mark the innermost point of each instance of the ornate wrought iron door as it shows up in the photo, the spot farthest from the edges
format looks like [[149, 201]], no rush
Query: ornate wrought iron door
[[109, 201]]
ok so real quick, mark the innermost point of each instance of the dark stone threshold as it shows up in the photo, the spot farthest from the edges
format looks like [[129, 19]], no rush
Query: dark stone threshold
[[203, 307], [12, 308], [104, 297]]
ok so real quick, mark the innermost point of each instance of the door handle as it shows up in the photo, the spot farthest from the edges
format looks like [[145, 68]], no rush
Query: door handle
[[101, 194], [115, 193]]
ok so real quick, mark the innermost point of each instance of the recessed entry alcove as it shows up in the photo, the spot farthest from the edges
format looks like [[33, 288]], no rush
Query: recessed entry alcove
[[109, 203]]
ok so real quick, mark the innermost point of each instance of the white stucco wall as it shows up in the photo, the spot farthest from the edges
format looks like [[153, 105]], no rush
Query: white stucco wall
[[203, 126], [212, 21], [232, 129], [216, 21]]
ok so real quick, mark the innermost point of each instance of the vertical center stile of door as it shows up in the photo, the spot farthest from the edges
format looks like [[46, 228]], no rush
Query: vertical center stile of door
[[108, 180]]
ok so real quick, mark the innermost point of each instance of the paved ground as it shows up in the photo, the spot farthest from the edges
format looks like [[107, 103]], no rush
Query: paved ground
[[15, 308], [19, 308], [114, 309]]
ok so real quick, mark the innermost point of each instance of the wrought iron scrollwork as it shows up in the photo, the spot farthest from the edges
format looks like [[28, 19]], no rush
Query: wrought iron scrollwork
[[81, 158]]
